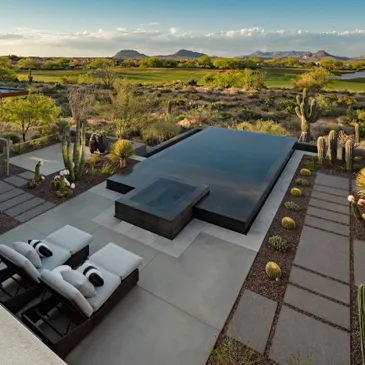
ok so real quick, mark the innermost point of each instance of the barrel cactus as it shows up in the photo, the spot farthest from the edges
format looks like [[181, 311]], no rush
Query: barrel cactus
[[273, 270], [321, 149], [305, 172], [296, 192], [332, 143], [278, 243], [361, 309], [349, 154], [308, 112], [288, 223]]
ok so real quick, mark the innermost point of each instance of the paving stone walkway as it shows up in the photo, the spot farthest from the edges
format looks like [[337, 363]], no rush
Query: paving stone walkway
[[18, 204], [315, 316]]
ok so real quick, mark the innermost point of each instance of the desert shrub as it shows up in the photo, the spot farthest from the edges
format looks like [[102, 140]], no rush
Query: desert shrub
[[225, 115], [291, 206], [247, 114], [107, 169], [287, 106], [302, 182], [326, 104], [159, 131], [36, 135], [12, 136], [267, 127], [269, 102]]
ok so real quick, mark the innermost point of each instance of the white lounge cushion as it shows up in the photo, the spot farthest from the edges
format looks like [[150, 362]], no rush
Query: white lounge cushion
[[67, 291], [111, 283], [70, 238], [29, 252], [80, 282], [20, 261], [59, 257], [117, 260], [59, 269]]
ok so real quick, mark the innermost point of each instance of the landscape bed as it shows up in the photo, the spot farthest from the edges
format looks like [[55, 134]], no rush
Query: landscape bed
[[258, 282]]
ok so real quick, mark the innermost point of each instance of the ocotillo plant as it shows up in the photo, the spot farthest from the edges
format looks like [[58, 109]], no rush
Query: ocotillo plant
[[332, 142], [361, 305], [349, 154], [321, 148], [357, 133], [308, 112], [74, 159]]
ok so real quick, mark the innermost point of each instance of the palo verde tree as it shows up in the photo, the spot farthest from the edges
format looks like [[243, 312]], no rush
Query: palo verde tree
[[104, 70], [24, 113], [314, 80]]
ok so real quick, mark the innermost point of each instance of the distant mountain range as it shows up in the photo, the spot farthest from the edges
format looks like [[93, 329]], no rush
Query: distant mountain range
[[181, 54], [302, 55], [187, 54]]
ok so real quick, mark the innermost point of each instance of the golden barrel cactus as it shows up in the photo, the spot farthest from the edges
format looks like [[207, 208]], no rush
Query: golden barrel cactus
[[296, 192], [273, 270], [288, 223]]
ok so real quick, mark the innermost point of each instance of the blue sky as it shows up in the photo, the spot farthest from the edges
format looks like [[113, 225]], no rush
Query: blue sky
[[230, 27]]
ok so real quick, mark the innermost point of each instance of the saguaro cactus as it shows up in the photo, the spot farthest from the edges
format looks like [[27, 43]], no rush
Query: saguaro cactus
[[321, 149], [309, 113], [169, 107], [74, 159], [361, 305], [357, 133], [332, 142], [349, 154]]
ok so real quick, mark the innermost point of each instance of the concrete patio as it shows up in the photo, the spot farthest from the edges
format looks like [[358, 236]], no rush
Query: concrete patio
[[186, 290]]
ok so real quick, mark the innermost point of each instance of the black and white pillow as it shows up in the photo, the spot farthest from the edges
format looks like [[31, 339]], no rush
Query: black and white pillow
[[41, 248], [94, 275]]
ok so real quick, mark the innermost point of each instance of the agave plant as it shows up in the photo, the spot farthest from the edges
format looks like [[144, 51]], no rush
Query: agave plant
[[360, 182], [121, 150]]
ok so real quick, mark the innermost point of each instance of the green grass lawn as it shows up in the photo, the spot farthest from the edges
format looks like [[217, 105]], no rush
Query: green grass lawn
[[276, 77]]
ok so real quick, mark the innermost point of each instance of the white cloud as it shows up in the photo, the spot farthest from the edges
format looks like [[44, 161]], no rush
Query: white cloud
[[222, 43], [149, 24]]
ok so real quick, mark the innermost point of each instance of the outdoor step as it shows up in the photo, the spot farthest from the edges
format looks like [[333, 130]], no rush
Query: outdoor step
[[15, 201], [10, 194], [252, 320], [26, 216], [325, 253], [16, 181], [327, 225], [328, 190], [320, 284], [19, 209], [331, 198], [27, 175], [297, 332], [359, 260], [4, 187], [333, 181], [329, 206], [321, 307], [331, 216]]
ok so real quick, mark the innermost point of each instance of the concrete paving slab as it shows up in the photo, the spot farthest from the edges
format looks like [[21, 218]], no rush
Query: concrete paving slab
[[252, 320], [204, 281], [333, 181], [332, 191], [297, 332], [27, 205], [327, 225], [325, 253], [4, 187], [359, 259], [34, 212], [22, 233], [16, 181], [323, 308], [332, 216], [320, 284], [15, 201], [329, 206], [143, 329], [10, 194], [27, 175], [331, 198], [51, 156]]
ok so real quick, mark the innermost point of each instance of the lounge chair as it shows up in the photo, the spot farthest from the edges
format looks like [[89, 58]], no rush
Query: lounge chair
[[119, 269], [20, 279]]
